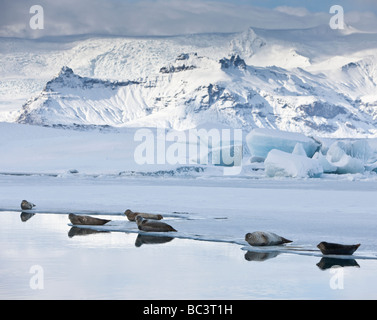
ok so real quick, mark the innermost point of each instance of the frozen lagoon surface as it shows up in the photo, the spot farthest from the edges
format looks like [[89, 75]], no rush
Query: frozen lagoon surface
[[206, 259]]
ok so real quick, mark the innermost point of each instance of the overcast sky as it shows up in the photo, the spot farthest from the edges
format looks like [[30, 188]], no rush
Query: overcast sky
[[171, 17]]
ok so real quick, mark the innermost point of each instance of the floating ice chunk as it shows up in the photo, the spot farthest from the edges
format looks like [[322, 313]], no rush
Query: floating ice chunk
[[261, 141], [282, 164], [359, 149], [348, 164], [226, 156], [372, 166], [220, 148], [254, 159], [326, 165], [299, 150], [348, 157], [335, 152]]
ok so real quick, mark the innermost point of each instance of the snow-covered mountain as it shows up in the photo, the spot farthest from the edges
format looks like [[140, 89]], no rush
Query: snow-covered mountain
[[315, 81]]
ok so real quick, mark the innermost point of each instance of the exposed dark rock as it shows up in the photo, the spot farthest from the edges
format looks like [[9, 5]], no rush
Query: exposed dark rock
[[183, 56], [173, 69], [68, 79], [322, 109], [234, 62], [351, 65]]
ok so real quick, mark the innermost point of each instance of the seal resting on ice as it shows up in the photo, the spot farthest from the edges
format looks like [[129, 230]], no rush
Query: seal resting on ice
[[26, 205], [153, 226], [132, 215], [86, 220], [261, 238], [336, 248]]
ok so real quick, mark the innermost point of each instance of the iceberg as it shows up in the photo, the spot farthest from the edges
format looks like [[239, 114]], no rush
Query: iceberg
[[348, 164], [349, 157], [372, 167], [283, 164], [261, 141], [359, 149], [326, 165], [299, 150]]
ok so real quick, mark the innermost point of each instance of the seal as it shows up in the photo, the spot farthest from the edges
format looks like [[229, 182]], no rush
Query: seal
[[132, 215], [261, 238], [336, 248], [26, 205], [86, 220], [153, 226]]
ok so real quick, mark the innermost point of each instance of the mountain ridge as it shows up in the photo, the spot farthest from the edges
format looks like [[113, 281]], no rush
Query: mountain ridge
[[230, 100], [181, 82]]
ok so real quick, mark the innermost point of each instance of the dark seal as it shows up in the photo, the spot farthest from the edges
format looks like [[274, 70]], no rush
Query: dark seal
[[153, 226], [337, 249], [26, 205]]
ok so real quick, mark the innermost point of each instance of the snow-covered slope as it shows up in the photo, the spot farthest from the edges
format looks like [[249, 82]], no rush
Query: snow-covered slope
[[315, 81]]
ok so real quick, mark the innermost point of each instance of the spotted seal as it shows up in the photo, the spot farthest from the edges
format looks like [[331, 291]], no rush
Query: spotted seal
[[261, 238], [132, 215]]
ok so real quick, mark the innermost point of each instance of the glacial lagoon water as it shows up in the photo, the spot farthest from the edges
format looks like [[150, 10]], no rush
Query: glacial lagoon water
[[43, 257]]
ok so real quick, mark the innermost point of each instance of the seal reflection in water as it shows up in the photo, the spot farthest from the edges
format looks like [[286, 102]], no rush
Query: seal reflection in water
[[149, 239], [76, 231], [260, 238], [260, 256], [153, 226], [25, 216], [132, 215]]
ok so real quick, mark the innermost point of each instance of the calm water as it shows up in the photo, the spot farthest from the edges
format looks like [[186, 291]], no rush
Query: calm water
[[42, 257]]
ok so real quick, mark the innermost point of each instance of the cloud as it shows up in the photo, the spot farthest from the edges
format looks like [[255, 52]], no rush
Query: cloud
[[150, 17], [366, 21], [294, 11]]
